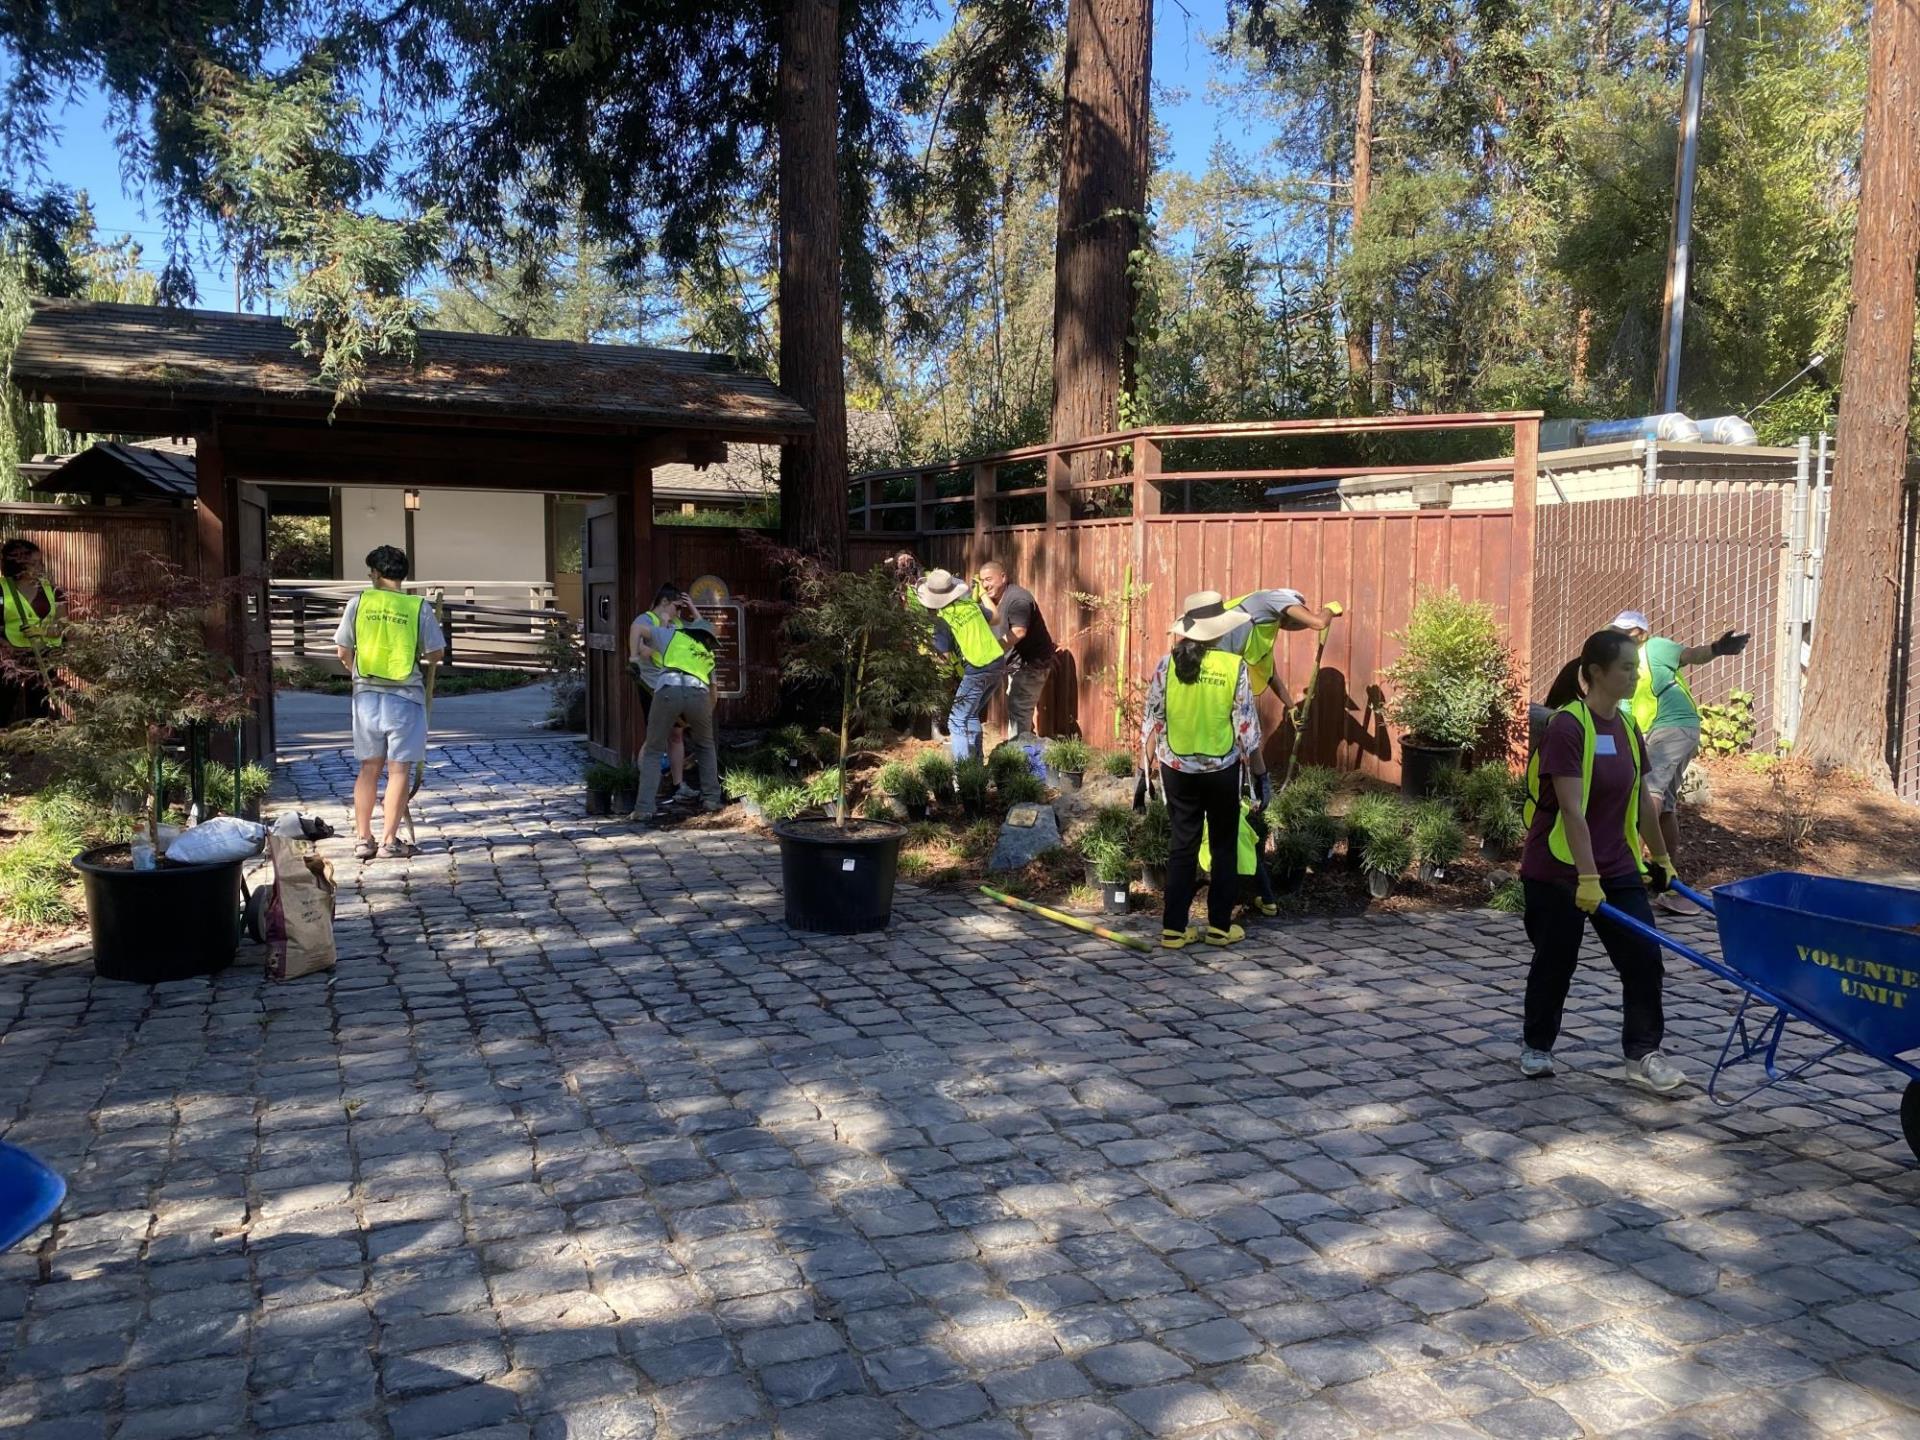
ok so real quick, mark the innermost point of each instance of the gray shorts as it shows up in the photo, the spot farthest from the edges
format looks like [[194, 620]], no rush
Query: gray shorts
[[1669, 751], [388, 727]]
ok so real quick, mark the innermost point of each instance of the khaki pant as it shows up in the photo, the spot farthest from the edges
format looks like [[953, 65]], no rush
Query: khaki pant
[[693, 706]]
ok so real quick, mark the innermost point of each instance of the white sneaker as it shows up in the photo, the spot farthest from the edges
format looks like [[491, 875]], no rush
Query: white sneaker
[[1672, 904], [1657, 1073], [1535, 1063], [683, 793]]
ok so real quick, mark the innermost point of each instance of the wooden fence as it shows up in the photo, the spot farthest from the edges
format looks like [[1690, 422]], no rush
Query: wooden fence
[[501, 625], [86, 543], [1377, 562]]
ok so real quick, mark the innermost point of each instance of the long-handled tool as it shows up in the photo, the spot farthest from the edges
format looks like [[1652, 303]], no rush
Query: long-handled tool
[[1305, 710], [419, 776], [1072, 922]]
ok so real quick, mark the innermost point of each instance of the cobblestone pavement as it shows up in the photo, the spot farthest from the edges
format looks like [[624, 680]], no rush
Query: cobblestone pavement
[[579, 1141]]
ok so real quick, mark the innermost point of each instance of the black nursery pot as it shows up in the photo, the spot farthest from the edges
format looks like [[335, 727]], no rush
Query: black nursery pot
[[1422, 765], [170, 923], [839, 882]]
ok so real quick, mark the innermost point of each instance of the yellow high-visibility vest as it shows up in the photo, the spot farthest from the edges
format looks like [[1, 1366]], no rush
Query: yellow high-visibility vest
[[1557, 844], [1200, 715], [386, 634], [27, 629]]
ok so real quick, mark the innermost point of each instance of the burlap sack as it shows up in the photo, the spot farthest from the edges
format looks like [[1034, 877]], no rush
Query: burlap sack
[[300, 914]]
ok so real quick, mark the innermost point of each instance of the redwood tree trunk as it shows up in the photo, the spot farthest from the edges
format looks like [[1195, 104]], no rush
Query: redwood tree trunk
[[1359, 313], [813, 473], [1105, 151], [1844, 723]]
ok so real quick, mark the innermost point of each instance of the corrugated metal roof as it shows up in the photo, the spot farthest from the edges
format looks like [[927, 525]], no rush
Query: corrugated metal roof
[[76, 351]]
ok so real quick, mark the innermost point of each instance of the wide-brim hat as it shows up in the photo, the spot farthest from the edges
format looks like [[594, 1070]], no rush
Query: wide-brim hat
[[1205, 616], [941, 588], [1630, 620]]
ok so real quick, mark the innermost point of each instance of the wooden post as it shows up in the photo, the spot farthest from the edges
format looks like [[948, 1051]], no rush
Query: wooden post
[[983, 509], [300, 625], [218, 549], [1146, 506], [1520, 556], [638, 575], [924, 498]]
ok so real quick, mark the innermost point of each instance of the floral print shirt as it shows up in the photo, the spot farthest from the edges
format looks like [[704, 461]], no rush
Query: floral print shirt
[[1153, 727]]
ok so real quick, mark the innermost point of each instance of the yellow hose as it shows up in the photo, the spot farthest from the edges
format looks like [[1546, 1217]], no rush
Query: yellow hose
[[1072, 922]]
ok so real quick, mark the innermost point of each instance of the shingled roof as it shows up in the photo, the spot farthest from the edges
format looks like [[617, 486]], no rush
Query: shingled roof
[[79, 352]]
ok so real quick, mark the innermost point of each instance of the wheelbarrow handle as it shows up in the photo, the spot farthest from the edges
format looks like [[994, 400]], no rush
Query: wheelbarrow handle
[[1648, 932], [1705, 902]]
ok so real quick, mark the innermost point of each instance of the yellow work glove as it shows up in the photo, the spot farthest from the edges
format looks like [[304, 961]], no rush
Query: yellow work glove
[[1588, 895], [1334, 607]]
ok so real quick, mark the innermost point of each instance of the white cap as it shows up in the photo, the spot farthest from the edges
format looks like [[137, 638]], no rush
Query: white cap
[[1630, 620]]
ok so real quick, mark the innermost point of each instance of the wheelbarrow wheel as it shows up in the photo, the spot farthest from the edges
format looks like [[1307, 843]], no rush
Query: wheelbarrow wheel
[[1910, 1116]]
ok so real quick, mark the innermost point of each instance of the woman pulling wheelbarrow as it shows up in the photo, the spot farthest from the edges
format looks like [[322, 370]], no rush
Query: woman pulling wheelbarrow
[[1586, 821]]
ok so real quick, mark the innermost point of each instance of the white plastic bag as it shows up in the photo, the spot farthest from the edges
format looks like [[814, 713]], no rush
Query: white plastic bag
[[226, 837]]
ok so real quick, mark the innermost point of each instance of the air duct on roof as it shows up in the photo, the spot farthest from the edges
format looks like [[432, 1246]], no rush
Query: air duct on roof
[[1728, 430], [1672, 427]]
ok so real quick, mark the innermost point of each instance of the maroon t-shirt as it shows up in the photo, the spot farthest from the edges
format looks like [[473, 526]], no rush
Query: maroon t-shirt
[[1613, 773]]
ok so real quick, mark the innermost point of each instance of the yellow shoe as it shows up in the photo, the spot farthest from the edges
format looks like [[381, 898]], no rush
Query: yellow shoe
[[1180, 939], [1268, 908], [1232, 935]]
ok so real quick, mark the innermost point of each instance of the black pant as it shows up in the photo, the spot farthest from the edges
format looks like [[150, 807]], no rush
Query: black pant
[[1194, 796], [1262, 877], [1556, 927]]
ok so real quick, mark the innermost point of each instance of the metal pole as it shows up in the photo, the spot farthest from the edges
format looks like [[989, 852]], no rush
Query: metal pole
[[1674, 318], [1797, 550]]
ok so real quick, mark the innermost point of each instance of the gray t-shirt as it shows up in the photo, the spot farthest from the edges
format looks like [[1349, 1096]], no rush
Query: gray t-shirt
[[1265, 606], [431, 639]]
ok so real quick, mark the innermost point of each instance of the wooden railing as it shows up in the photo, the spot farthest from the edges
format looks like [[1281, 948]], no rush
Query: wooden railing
[[489, 624], [1124, 472]]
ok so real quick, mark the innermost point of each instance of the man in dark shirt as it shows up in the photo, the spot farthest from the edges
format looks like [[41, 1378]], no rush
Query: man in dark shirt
[[1023, 630]]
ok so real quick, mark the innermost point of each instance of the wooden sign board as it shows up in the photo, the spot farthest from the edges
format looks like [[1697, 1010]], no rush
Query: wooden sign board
[[729, 621]]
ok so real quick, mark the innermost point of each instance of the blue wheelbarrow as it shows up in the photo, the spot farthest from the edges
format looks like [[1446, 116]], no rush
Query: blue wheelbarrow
[[29, 1194], [1840, 955]]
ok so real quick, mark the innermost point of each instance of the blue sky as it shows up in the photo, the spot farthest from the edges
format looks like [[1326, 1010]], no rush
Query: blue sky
[[84, 156]]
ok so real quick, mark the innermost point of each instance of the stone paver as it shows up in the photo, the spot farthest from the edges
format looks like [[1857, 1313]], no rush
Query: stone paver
[[579, 1141]]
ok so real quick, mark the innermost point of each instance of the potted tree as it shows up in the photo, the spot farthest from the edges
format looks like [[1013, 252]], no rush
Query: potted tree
[[133, 670], [904, 786], [1068, 758], [1448, 686], [850, 634], [1110, 829], [971, 781], [1385, 855], [1113, 869]]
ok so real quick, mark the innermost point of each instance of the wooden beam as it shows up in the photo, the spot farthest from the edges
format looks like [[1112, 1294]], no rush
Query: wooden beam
[[639, 573], [1526, 485]]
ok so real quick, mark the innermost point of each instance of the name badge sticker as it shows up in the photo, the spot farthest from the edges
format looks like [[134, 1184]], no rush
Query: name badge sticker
[[1603, 745]]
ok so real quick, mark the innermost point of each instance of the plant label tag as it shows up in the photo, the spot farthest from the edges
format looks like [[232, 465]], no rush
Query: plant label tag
[[847, 864], [1603, 745], [1024, 817]]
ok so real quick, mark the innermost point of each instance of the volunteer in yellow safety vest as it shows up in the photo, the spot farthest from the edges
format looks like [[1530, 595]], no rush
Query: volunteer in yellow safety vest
[[682, 695], [961, 627], [1664, 709], [383, 639], [1266, 613], [671, 606], [1587, 817], [1199, 727], [32, 611]]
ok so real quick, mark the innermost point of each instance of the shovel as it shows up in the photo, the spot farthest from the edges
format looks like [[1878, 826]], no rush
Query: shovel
[[1305, 710], [419, 776]]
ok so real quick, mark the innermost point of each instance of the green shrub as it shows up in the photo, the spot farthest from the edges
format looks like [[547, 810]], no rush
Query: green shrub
[[976, 842], [875, 806], [912, 865], [1437, 836], [1509, 898], [1294, 850], [1153, 835], [1007, 761], [743, 784], [1485, 790], [937, 771], [1727, 729], [783, 802], [1386, 852], [599, 775], [823, 788], [217, 786], [1026, 788], [1319, 833], [1112, 864], [1297, 804], [910, 790], [1376, 813], [1109, 823], [1454, 673], [971, 779], [1069, 753], [1117, 763], [1447, 785], [1503, 827]]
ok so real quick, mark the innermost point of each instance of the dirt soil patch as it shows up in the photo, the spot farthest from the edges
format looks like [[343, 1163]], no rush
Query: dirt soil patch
[[1759, 816]]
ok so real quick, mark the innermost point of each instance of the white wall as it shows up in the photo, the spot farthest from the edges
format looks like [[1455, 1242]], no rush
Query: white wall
[[459, 534]]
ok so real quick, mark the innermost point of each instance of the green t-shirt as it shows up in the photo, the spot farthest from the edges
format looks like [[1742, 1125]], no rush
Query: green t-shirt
[[1676, 707]]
